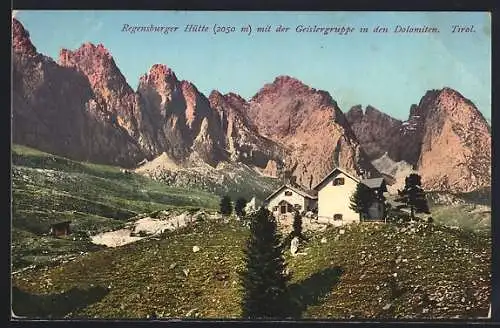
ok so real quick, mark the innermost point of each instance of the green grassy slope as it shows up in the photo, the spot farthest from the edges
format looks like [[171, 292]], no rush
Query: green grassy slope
[[47, 189], [471, 211], [466, 216], [369, 271]]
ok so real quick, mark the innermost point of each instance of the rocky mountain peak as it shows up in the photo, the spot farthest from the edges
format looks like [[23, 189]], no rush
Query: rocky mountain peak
[[309, 123], [196, 104], [286, 80], [234, 97], [371, 111], [374, 129], [229, 106], [188, 88], [21, 42], [456, 103], [355, 114], [159, 73], [218, 101], [215, 95], [161, 79], [95, 62], [456, 143], [282, 83], [445, 138], [285, 84]]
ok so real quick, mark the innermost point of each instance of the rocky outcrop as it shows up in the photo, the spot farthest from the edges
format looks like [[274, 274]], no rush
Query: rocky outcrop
[[242, 140], [82, 107], [21, 42], [112, 93], [311, 125], [456, 143], [445, 139], [54, 110], [182, 121], [375, 131]]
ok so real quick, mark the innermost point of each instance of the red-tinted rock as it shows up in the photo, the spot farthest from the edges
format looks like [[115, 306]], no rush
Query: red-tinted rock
[[311, 125], [446, 140], [55, 110], [21, 42]]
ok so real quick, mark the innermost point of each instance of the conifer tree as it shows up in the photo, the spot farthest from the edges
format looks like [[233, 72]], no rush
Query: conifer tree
[[297, 225], [239, 206], [413, 195], [361, 200], [225, 206], [263, 280]]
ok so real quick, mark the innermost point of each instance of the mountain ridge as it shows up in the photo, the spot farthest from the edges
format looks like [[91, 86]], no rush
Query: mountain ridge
[[451, 140], [287, 129]]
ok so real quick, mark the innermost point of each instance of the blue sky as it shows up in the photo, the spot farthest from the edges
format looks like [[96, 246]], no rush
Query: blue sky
[[388, 71]]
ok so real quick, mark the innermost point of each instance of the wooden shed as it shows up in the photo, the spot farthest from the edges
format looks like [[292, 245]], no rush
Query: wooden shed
[[60, 229]]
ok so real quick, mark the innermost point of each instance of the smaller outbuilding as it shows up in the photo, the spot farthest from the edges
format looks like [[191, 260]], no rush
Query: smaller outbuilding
[[60, 229], [290, 198]]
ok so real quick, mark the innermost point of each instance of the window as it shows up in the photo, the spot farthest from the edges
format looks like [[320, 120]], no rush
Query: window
[[288, 193], [338, 181], [337, 217], [297, 207]]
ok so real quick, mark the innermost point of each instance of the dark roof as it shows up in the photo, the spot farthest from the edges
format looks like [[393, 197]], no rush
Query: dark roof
[[298, 189], [335, 170], [389, 179], [373, 183], [392, 200], [58, 224]]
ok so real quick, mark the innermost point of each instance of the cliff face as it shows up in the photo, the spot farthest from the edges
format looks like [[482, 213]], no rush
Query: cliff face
[[114, 96], [182, 121], [310, 124], [242, 140], [456, 143], [55, 110], [82, 107], [445, 139], [375, 131]]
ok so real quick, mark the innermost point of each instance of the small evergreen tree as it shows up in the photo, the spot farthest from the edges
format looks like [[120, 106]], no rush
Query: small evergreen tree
[[225, 205], [413, 195], [297, 225], [264, 284], [239, 206], [361, 200]]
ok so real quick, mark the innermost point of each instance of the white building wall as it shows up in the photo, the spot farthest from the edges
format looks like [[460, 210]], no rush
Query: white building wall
[[336, 200], [294, 199]]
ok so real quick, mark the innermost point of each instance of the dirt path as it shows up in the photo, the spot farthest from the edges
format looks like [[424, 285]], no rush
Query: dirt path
[[140, 229]]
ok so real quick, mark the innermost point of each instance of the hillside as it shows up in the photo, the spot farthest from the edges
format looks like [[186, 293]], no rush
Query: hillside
[[356, 272], [48, 189], [470, 210], [233, 179]]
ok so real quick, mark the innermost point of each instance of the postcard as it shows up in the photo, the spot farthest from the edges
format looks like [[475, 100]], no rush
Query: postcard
[[251, 165]]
